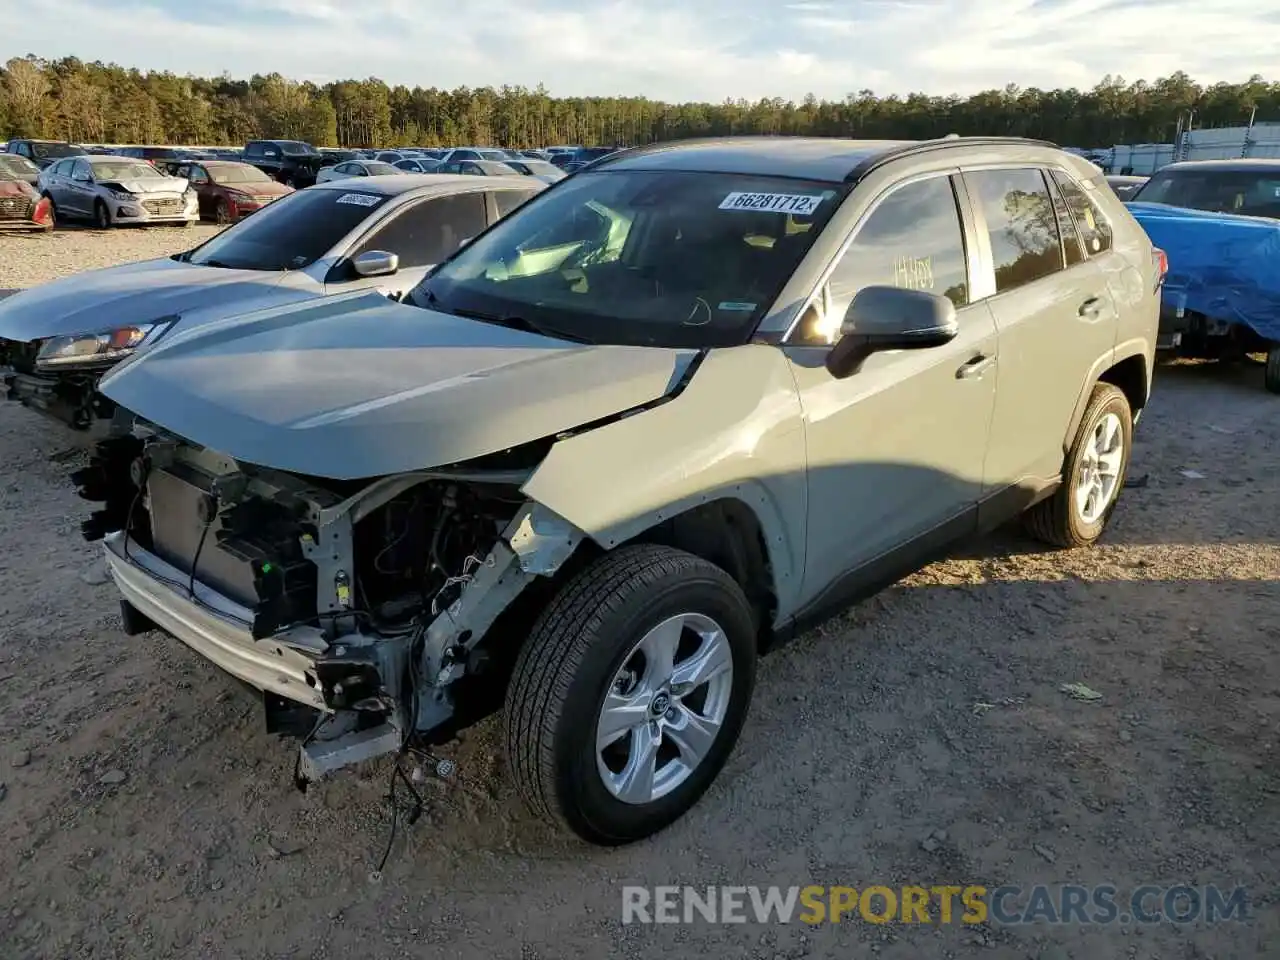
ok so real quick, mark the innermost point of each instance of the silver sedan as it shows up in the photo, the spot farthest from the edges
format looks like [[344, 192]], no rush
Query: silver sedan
[[116, 190], [356, 168]]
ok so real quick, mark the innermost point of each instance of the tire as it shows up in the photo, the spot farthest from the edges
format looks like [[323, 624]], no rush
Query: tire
[[101, 215], [576, 654], [1059, 520], [221, 213], [1271, 372]]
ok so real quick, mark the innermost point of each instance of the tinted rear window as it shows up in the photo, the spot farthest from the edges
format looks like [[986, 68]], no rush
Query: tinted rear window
[[46, 150], [291, 233]]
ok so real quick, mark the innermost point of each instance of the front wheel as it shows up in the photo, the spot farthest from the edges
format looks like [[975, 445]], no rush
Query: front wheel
[[221, 214], [630, 693], [1092, 476], [101, 215], [1271, 372]]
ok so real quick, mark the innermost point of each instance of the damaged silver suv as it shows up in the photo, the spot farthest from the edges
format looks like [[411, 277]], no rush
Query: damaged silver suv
[[656, 421]]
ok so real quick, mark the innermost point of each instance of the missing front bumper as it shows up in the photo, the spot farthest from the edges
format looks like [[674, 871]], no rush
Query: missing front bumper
[[216, 628]]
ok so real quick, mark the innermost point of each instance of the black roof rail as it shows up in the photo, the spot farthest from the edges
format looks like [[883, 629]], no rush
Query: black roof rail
[[871, 163]]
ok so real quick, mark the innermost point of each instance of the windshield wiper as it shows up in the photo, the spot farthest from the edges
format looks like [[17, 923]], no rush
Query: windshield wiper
[[519, 323]]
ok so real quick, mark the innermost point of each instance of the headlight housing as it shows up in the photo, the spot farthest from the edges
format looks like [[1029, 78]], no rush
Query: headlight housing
[[89, 350]]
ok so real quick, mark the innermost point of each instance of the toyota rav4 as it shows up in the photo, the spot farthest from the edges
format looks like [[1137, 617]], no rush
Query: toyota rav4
[[656, 421]]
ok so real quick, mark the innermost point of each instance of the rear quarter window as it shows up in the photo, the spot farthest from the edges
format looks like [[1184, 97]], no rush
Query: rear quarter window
[[1087, 211]]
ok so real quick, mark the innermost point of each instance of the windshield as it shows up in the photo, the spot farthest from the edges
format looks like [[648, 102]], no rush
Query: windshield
[[123, 170], [46, 151], [378, 169], [1249, 192], [236, 173], [291, 233], [638, 257], [295, 148]]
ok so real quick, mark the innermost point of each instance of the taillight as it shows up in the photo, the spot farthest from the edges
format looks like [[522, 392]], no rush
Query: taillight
[[1161, 261]]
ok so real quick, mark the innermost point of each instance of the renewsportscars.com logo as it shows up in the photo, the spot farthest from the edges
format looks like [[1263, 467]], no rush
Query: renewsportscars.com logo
[[969, 904]]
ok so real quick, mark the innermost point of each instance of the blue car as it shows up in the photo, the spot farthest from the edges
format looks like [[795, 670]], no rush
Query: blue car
[[1218, 221]]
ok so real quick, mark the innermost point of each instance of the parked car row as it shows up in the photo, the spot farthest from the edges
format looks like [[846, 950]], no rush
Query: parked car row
[[1219, 220], [403, 451], [73, 190], [59, 338]]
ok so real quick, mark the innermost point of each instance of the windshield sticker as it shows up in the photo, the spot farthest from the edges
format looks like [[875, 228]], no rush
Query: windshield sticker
[[734, 306], [801, 204], [360, 199]]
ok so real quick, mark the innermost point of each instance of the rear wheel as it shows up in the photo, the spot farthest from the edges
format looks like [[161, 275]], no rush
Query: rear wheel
[[1092, 476], [101, 215], [630, 693], [1271, 373]]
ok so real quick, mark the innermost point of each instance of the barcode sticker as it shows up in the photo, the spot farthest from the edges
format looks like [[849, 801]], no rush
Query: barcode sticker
[[801, 204], [359, 199]]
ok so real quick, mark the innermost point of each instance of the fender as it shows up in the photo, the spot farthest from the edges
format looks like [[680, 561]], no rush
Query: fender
[[1123, 351], [735, 431]]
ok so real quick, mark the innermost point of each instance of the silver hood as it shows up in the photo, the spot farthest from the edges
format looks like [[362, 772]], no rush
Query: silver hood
[[357, 386], [149, 185], [99, 300]]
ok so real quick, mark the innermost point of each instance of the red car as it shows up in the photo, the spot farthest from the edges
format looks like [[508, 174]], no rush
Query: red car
[[228, 190], [21, 206]]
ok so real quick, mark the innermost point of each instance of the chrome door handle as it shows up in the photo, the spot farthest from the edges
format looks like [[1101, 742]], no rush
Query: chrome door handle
[[975, 367]]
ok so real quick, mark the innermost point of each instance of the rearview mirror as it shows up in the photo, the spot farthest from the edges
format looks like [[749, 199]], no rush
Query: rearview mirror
[[890, 318], [376, 263]]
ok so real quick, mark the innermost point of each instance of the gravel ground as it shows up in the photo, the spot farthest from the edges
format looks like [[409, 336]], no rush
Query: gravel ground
[[922, 739], [30, 258]]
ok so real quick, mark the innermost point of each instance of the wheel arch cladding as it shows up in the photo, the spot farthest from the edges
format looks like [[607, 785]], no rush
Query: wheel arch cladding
[[1130, 375], [727, 533], [731, 446]]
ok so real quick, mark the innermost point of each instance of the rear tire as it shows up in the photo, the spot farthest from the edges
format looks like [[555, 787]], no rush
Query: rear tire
[[591, 636], [1271, 372], [1069, 518], [101, 215]]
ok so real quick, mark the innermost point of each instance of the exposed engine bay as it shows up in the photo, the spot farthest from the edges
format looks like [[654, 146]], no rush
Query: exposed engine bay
[[357, 607]]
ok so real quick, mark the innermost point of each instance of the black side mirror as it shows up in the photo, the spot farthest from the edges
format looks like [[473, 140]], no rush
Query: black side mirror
[[890, 318]]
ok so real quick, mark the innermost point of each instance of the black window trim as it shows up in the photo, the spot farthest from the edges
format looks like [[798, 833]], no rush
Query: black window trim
[[977, 255]]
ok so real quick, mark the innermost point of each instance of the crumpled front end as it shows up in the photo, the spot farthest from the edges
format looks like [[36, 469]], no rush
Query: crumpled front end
[[70, 398], [358, 608]]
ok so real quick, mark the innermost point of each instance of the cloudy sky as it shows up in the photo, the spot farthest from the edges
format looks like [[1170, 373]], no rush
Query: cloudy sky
[[669, 49]]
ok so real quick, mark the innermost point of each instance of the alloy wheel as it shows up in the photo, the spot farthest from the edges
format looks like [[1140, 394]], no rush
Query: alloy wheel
[[1098, 477], [664, 708]]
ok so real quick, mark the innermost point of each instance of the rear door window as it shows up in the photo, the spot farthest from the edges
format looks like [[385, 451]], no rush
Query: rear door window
[[429, 231], [1025, 245]]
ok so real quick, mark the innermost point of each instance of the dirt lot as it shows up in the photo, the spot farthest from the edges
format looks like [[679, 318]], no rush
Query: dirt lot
[[146, 815]]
